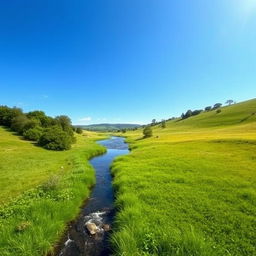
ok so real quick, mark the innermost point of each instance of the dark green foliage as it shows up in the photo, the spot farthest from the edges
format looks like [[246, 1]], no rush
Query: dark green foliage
[[45, 121], [33, 133], [209, 108], [163, 124], [218, 111], [187, 114], [190, 113], [196, 112], [7, 114], [147, 132], [57, 133], [217, 105], [229, 102], [64, 122], [153, 122], [30, 124], [79, 130], [55, 138], [18, 123]]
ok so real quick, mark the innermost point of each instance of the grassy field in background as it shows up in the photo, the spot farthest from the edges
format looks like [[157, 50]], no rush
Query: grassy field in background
[[41, 191], [191, 188]]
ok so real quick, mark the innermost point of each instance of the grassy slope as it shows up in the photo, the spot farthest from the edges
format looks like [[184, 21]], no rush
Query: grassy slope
[[190, 189], [41, 191]]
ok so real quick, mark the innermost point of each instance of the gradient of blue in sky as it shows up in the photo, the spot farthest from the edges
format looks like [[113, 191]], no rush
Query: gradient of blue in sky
[[126, 61]]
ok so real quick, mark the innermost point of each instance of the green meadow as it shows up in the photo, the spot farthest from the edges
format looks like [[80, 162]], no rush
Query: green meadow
[[190, 189], [41, 191]]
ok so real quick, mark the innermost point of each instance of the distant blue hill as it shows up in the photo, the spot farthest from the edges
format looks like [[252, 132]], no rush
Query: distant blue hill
[[107, 127]]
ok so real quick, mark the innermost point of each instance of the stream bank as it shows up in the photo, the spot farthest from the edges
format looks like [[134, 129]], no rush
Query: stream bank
[[88, 234]]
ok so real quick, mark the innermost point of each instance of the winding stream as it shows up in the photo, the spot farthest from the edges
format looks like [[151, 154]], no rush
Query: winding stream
[[98, 213]]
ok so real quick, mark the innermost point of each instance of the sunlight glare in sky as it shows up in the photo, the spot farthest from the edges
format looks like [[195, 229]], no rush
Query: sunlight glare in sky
[[246, 8]]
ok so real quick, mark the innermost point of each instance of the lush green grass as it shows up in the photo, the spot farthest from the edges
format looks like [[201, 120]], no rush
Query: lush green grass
[[191, 188], [41, 191]]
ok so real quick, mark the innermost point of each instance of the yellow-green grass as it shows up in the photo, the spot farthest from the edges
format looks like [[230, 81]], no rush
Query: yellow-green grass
[[191, 188], [41, 191]]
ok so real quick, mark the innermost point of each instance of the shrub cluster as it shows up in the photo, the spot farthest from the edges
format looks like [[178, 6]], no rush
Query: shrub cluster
[[50, 133], [147, 132], [79, 130], [190, 113]]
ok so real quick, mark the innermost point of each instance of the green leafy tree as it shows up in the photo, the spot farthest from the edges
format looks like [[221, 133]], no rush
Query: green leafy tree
[[55, 138], [79, 130], [196, 112], [229, 102], [147, 132], [18, 123], [64, 122], [163, 124], [33, 133], [187, 114], [45, 121], [217, 105], [209, 108], [8, 114], [153, 122], [31, 123]]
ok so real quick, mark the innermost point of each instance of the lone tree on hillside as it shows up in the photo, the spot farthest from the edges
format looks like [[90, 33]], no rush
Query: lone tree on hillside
[[147, 132], [153, 122], [229, 102]]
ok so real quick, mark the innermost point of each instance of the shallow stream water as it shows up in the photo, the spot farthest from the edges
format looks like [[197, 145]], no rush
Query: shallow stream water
[[99, 209]]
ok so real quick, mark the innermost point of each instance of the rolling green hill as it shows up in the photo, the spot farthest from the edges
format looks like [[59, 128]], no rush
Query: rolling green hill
[[237, 114], [190, 189]]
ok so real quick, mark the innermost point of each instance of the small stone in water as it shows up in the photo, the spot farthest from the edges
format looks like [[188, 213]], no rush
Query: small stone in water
[[106, 227], [92, 228]]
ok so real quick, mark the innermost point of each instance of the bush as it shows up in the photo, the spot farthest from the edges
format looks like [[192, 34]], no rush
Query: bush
[[8, 114], [18, 123], [218, 111], [55, 138], [147, 132], [217, 105], [196, 112], [187, 115], [33, 133], [40, 116], [163, 124], [209, 108], [52, 133], [79, 130], [31, 124]]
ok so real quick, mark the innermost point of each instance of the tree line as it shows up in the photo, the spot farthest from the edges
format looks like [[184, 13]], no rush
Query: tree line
[[147, 131], [48, 132]]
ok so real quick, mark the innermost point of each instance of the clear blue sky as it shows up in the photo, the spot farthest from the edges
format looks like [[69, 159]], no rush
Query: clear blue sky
[[126, 60]]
